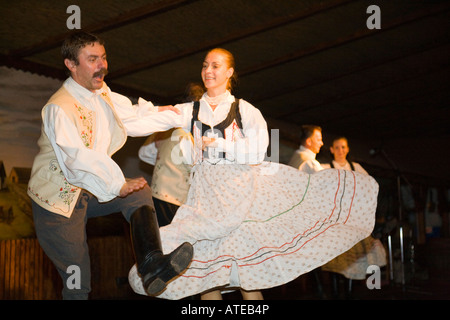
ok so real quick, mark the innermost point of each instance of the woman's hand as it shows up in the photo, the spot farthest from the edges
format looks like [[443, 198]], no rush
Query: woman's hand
[[132, 185], [170, 108], [207, 142]]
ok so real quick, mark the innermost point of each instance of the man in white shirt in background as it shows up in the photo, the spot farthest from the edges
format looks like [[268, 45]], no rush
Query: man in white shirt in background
[[304, 158], [74, 177]]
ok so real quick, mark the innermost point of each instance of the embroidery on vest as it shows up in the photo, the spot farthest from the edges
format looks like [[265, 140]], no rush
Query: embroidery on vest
[[86, 121], [66, 192], [234, 132], [40, 198]]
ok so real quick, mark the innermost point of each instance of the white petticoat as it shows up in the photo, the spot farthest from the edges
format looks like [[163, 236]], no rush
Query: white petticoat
[[258, 227], [353, 263]]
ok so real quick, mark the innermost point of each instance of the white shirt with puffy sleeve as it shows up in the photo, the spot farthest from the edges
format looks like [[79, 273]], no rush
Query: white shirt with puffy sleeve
[[93, 169]]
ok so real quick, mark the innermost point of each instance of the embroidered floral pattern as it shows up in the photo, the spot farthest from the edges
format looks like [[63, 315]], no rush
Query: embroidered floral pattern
[[87, 122], [233, 132], [53, 166], [61, 188], [66, 192], [40, 198]]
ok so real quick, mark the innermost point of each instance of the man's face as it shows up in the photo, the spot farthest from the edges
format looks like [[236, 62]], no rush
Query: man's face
[[92, 67], [315, 141]]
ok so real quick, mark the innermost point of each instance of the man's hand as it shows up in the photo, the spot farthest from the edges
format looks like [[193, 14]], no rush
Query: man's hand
[[132, 185], [170, 108], [208, 142]]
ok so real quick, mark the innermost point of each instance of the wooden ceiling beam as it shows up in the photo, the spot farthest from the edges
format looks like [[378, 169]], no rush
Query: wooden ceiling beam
[[359, 91], [33, 67], [344, 40], [113, 23], [268, 25], [405, 100], [431, 46], [339, 42]]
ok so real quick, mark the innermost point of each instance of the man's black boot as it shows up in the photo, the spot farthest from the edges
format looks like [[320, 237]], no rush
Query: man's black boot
[[155, 268]]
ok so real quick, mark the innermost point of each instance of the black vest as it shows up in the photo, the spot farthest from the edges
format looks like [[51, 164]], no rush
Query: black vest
[[351, 165], [233, 114]]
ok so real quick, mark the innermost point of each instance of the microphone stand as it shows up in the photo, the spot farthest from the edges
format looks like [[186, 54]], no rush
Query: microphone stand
[[399, 177]]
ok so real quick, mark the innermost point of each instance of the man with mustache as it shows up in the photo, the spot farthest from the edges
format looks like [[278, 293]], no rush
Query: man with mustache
[[74, 177]]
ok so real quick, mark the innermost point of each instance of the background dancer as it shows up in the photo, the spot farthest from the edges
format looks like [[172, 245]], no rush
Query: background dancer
[[304, 158], [170, 178], [352, 264]]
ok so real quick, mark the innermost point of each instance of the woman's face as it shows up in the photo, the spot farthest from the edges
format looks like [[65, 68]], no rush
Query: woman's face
[[215, 72], [340, 149]]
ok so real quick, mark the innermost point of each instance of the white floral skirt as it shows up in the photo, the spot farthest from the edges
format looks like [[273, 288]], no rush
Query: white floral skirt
[[353, 263], [257, 227]]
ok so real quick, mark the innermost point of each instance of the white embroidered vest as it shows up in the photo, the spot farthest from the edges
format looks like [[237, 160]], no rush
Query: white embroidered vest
[[170, 180], [48, 187]]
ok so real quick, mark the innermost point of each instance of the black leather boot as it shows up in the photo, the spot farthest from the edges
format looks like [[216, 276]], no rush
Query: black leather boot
[[155, 268]]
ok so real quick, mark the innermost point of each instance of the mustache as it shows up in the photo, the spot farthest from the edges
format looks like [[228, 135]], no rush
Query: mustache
[[101, 72]]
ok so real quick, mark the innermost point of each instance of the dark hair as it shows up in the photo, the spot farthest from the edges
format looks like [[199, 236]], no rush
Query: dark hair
[[307, 131], [75, 42], [339, 138], [193, 92]]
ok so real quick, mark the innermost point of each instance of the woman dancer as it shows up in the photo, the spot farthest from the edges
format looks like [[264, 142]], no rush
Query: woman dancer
[[254, 224], [353, 263]]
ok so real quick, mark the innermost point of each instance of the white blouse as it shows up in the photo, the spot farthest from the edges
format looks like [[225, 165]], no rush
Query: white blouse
[[358, 167], [310, 165], [250, 149], [93, 169]]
